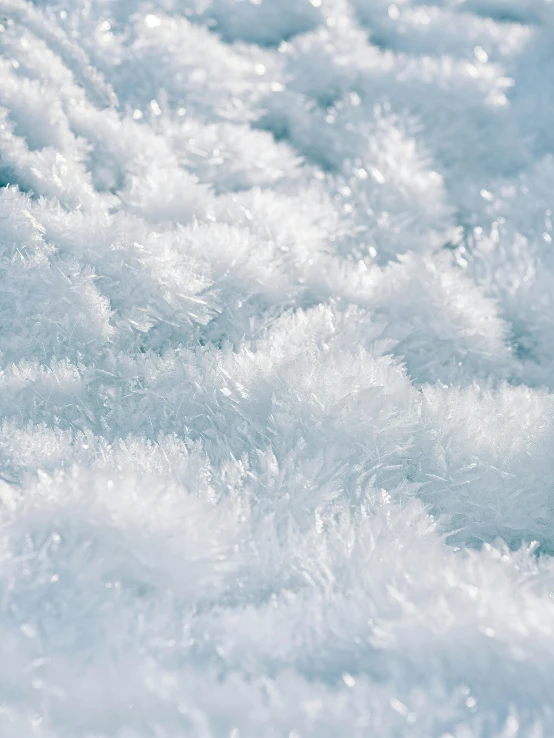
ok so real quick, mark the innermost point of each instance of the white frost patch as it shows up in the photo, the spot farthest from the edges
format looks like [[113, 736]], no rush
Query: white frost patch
[[276, 368]]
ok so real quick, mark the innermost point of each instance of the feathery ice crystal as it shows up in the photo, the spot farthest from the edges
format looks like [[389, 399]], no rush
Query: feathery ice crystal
[[276, 368]]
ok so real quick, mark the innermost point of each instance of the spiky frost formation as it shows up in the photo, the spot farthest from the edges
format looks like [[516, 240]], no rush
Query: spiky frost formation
[[276, 363]]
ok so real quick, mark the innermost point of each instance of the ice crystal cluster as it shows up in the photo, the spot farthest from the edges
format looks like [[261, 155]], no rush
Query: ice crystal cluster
[[276, 369]]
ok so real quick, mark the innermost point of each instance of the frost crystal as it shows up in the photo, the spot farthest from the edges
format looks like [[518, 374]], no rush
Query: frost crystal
[[276, 368]]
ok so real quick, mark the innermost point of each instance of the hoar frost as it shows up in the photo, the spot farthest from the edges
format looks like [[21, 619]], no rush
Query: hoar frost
[[276, 368]]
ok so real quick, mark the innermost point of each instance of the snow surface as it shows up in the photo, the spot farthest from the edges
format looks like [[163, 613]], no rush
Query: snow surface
[[276, 369]]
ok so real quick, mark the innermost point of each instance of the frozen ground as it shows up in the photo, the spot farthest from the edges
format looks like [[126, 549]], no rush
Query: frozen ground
[[276, 369]]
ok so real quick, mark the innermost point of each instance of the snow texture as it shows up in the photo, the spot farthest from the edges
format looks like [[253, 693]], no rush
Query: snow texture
[[276, 369]]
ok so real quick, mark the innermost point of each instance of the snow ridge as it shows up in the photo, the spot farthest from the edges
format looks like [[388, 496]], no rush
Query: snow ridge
[[276, 368]]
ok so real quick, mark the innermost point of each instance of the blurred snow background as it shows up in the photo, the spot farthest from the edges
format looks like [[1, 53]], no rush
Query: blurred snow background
[[276, 368]]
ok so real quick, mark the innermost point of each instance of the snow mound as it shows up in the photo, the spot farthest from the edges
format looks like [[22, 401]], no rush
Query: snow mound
[[276, 368]]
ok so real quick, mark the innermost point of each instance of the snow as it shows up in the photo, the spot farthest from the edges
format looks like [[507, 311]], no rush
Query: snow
[[276, 369]]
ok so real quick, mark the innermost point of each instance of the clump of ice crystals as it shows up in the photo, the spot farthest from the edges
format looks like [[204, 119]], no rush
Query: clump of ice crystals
[[276, 368]]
